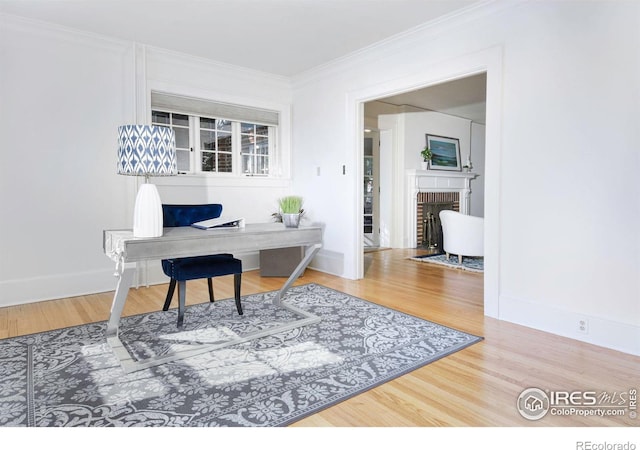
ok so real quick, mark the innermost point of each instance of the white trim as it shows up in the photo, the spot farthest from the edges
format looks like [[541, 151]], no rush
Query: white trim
[[53, 287], [168, 101], [602, 332], [492, 181], [489, 61], [140, 83], [42, 288], [196, 151], [49, 30], [280, 158], [428, 31], [197, 62], [221, 180]]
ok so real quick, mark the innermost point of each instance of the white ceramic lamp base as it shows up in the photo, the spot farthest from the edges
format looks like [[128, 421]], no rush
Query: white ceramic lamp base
[[147, 215]]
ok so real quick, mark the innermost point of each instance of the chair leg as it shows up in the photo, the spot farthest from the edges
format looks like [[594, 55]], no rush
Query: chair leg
[[210, 283], [237, 281], [447, 256], [172, 288], [182, 294], [460, 259]]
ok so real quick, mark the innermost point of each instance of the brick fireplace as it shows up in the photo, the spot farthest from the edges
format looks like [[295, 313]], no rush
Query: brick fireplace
[[428, 207], [428, 192]]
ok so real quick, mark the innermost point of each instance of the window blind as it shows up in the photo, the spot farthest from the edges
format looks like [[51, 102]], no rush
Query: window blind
[[197, 106]]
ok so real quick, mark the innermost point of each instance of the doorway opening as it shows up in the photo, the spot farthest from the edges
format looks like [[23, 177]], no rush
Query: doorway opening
[[463, 100], [487, 61], [395, 132]]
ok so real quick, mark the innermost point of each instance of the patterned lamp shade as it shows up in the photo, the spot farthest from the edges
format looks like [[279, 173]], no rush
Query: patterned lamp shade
[[146, 150]]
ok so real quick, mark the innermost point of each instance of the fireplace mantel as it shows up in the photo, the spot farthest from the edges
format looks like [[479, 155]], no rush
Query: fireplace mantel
[[434, 181]]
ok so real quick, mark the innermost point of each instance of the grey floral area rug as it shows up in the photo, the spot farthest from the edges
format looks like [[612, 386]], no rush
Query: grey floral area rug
[[470, 263], [70, 377]]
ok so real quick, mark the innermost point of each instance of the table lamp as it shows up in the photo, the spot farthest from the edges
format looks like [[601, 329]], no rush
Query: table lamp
[[148, 151]]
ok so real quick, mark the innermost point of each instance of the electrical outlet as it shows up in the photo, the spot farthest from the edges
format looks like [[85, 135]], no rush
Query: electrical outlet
[[583, 326]]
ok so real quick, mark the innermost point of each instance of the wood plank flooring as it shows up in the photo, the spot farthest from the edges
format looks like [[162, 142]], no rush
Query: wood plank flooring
[[478, 386]]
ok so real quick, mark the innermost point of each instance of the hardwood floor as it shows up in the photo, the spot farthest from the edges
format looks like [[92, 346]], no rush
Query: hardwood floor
[[477, 386]]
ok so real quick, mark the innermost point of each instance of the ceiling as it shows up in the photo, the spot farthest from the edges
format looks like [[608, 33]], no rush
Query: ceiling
[[281, 37], [284, 37], [465, 97]]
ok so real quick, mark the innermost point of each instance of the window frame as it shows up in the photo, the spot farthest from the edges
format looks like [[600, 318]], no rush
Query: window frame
[[254, 155], [196, 151], [200, 151], [278, 115]]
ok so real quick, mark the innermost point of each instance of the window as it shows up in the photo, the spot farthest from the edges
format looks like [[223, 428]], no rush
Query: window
[[218, 138], [216, 145], [180, 125], [255, 149]]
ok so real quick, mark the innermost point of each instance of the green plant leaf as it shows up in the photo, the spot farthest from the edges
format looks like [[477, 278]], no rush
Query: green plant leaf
[[291, 204]]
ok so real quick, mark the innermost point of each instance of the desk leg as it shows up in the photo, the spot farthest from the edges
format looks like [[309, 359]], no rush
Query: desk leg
[[125, 280], [309, 254]]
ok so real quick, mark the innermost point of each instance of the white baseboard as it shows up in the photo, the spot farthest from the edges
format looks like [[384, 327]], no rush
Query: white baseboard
[[328, 262], [602, 332], [598, 331], [37, 289]]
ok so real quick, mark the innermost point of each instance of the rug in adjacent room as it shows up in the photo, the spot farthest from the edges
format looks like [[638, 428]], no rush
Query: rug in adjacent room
[[470, 263], [70, 377]]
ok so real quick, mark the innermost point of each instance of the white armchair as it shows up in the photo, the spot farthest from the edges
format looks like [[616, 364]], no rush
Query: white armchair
[[462, 235]]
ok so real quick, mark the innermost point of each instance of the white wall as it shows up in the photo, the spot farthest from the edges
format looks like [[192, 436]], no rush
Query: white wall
[[63, 95], [561, 200], [419, 124], [571, 104], [254, 198], [471, 138]]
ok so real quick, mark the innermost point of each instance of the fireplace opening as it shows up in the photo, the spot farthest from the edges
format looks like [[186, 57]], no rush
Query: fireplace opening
[[429, 228]]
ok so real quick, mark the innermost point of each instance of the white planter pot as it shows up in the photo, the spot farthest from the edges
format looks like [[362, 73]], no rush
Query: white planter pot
[[291, 220]]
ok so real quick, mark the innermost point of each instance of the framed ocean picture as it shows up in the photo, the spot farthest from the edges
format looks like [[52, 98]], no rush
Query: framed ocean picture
[[445, 152]]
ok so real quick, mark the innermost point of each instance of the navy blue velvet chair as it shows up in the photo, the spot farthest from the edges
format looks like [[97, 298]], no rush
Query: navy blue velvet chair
[[196, 267]]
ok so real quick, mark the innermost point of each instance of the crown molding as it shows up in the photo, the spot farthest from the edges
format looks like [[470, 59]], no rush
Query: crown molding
[[420, 33], [49, 29]]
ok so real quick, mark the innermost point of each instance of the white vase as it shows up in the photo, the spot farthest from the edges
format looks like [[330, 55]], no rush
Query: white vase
[[291, 220], [147, 213]]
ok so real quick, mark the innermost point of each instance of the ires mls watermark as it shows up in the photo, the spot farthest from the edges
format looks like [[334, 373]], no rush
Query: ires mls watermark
[[534, 403]]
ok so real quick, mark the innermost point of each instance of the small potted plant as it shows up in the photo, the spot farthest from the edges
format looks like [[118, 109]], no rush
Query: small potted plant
[[281, 262], [468, 166], [290, 209], [426, 157]]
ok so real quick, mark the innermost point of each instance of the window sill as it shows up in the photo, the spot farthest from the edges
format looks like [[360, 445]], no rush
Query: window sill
[[201, 179]]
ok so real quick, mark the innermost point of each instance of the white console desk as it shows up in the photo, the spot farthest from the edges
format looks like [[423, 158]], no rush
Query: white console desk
[[126, 250]]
